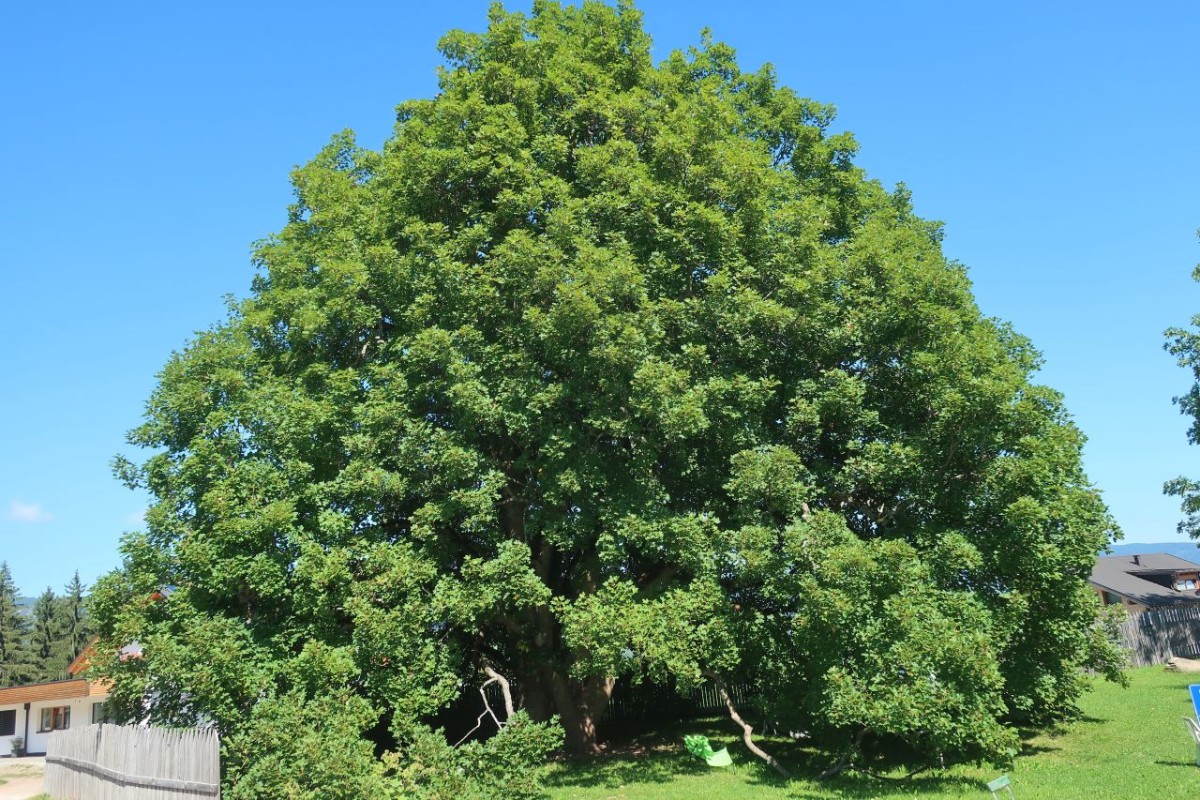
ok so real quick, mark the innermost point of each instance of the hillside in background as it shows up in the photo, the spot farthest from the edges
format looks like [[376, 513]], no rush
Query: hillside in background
[[1187, 550]]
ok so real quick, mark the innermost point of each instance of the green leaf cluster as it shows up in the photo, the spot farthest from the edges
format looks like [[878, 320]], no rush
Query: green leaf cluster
[[509, 766]]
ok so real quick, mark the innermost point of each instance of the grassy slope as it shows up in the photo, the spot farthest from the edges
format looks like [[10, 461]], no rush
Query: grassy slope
[[1130, 744]]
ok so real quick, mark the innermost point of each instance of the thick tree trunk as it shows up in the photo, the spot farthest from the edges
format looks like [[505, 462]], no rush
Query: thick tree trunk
[[545, 688], [578, 704], [535, 697]]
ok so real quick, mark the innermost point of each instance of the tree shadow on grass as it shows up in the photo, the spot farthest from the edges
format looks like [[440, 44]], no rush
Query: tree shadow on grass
[[664, 767], [613, 772], [651, 757], [659, 757], [1088, 719], [1062, 728], [1051, 733], [1028, 749], [865, 786], [807, 763]]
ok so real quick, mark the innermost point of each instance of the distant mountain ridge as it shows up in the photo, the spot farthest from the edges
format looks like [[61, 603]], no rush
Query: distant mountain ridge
[[1184, 550]]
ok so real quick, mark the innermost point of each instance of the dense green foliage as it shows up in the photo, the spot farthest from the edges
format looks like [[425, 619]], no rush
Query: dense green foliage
[[1184, 344], [16, 660], [604, 369], [38, 643], [508, 766]]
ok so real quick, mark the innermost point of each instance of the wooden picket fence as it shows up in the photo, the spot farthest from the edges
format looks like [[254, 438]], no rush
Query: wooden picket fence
[[115, 762], [1154, 636]]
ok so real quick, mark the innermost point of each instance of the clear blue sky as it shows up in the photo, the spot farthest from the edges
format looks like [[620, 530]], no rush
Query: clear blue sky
[[145, 146]]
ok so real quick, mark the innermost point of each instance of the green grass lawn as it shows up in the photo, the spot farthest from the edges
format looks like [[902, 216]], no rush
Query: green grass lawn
[[1130, 744]]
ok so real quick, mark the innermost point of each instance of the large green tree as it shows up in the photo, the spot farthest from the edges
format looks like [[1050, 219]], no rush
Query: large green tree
[[603, 368]]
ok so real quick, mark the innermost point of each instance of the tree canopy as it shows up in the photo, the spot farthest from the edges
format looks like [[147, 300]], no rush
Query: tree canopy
[[1184, 344], [598, 370]]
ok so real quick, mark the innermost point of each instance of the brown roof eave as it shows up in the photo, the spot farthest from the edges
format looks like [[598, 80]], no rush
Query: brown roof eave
[[54, 690]]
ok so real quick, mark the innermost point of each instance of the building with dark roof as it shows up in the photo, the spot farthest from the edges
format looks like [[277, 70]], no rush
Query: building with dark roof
[[1146, 581]]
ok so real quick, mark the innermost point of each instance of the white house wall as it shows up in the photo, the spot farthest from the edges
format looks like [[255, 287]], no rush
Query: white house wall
[[35, 744]]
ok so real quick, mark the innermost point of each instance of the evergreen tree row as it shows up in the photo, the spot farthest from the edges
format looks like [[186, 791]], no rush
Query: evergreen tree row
[[37, 644]]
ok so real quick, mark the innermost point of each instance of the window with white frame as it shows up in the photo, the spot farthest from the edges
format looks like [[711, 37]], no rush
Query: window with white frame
[[57, 718]]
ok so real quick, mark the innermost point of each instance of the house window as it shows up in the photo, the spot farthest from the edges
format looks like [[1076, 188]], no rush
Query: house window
[[8, 722], [100, 713], [1185, 585], [55, 719]]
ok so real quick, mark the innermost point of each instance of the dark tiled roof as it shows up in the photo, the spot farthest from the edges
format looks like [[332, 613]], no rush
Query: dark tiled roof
[[1128, 577]]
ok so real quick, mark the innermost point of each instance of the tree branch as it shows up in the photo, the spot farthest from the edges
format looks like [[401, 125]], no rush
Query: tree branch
[[747, 730], [504, 690], [842, 762], [493, 677]]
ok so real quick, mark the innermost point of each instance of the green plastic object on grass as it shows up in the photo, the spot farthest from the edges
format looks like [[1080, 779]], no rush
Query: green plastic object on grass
[[1001, 783], [699, 747]]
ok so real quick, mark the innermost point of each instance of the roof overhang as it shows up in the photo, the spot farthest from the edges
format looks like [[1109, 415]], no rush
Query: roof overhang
[[55, 690]]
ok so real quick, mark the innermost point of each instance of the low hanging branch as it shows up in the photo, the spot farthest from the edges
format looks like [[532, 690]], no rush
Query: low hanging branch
[[505, 691], [838, 767], [747, 730]]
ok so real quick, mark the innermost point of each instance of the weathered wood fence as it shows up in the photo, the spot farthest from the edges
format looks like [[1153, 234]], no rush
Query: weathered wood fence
[[1154, 636], [115, 762]]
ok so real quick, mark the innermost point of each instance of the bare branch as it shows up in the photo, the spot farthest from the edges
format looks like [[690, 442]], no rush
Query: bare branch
[[747, 730], [504, 690], [487, 711]]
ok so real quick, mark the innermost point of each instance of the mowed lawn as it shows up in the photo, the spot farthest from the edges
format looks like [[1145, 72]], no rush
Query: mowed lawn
[[1130, 744]]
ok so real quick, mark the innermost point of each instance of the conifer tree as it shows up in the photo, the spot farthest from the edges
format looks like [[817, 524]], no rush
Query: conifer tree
[[45, 637], [15, 663], [74, 630]]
